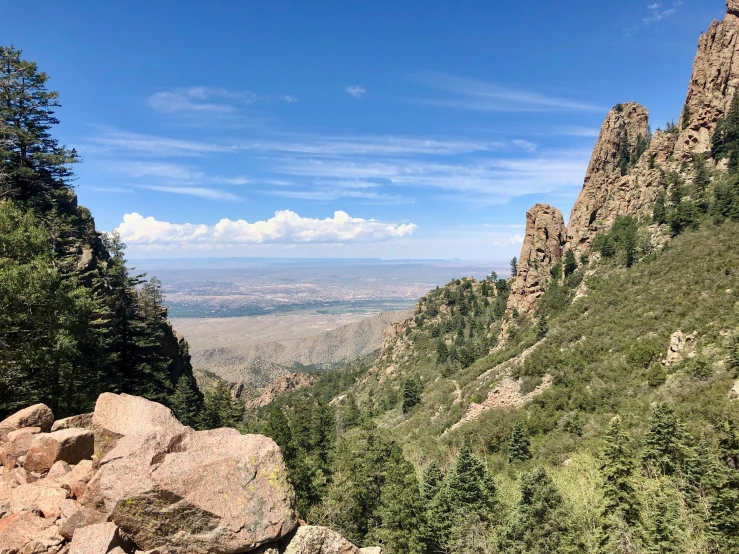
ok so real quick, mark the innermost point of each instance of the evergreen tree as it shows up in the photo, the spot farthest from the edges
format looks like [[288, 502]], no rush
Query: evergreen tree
[[685, 117], [541, 521], [185, 401], [514, 266], [659, 212], [701, 181], [36, 169], [278, 429], [570, 264], [400, 524], [621, 509], [412, 389], [433, 478], [624, 153], [465, 505], [518, 445], [725, 139], [350, 415], [541, 327], [723, 520], [664, 446]]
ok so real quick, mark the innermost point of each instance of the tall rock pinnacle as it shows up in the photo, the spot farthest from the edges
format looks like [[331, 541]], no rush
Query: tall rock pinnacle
[[714, 81], [542, 249]]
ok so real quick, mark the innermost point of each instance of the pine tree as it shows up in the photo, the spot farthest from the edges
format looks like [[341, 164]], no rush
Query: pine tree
[[518, 445], [659, 212], [350, 415], [433, 478], [624, 153], [685, 117], [541, 521], [35, 168], [725, 139], [570, 264], [664, 446], [514, 266], [621, 510], [541, 327], [411, 394], [278, 429], [185, 401], [400, 523]]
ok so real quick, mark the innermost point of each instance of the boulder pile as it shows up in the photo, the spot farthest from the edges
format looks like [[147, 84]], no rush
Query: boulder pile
[[130, 478]]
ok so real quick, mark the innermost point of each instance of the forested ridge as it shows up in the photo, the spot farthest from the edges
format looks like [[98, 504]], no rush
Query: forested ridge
[[74, 320]]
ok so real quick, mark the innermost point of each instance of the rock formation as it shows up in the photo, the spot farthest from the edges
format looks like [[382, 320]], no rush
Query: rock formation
[[625, 174], [712, 85], [152, 484], [542, 249], [287, 383]]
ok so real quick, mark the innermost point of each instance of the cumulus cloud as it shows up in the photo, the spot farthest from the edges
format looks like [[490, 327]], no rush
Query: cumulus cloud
[[356, 91], [286, 227]]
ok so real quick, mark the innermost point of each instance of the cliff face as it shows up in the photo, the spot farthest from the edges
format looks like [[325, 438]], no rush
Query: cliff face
[[542, 249], [625, 173], [712, 85], [607, 192]]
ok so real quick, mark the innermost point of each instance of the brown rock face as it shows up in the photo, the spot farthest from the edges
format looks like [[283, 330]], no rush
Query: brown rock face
[[286, 383], [38, 415], [120, 415], [95, 539], [82, 421], [606, 193], [713, 83], [27, 533], [542, 249], [69, 445], [312, 539]]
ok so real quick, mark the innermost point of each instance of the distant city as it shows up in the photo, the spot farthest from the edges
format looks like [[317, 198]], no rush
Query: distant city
[[231, 287]]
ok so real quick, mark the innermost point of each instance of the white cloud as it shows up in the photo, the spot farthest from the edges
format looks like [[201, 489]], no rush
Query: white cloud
[[200, 192], [473, 94], [396, 145], [208, 99], [356, 91], [496, 180], [286, 227], [525, 145], [659, 15]]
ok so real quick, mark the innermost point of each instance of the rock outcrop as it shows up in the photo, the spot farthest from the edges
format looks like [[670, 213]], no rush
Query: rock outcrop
[[287, 383], [626, 174], [606, 193], [542, 249], [154, 485], [713, 83]]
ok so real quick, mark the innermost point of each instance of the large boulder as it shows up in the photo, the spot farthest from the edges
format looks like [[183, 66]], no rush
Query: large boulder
[[16, 445], [82, 421], [38, 415], [25, 532], [69, 445], [311, 539], [38, 496], [100, 538], [205, 491], [120, 415]]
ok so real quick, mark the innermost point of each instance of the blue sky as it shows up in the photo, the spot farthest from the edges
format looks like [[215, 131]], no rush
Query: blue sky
[[384, 129]]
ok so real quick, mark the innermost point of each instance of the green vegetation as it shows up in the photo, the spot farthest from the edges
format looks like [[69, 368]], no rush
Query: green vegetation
[[73, 321]]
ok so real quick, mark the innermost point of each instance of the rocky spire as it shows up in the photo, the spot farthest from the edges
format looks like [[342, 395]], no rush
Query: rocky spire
[[714, 80], [542, 249], [606, 191]]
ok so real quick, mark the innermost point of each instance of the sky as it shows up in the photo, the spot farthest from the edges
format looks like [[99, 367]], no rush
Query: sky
[[414, 129]]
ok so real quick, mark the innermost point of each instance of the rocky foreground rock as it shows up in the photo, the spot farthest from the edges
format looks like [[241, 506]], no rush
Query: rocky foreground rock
[[131, 478]]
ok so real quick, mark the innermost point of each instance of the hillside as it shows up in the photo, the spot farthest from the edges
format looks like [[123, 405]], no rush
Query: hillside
[[589, 403], [73, 321], [257, 363]]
